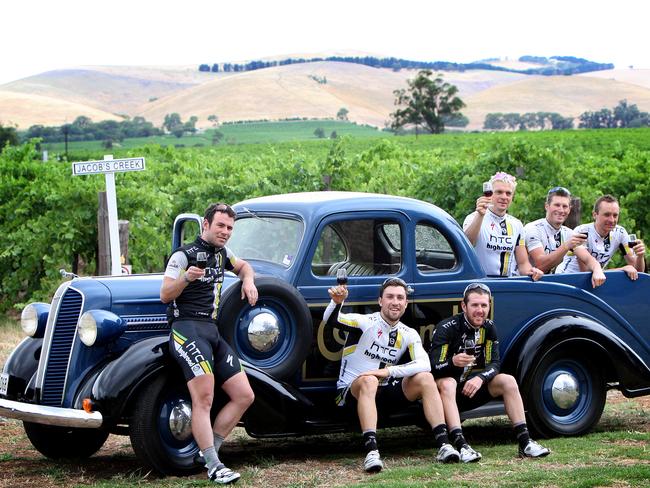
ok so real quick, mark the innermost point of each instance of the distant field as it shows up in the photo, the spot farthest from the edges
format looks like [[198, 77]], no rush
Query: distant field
[[248, 133]]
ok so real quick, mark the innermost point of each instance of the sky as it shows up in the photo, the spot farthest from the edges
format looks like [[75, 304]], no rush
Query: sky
[[42, 35]]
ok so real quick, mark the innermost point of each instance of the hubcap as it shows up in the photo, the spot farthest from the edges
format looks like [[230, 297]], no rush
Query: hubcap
[[180, 420], [263, 332], [565, 391]]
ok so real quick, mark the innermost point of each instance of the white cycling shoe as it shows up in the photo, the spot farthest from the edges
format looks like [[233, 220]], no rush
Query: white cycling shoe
[[373, 462]]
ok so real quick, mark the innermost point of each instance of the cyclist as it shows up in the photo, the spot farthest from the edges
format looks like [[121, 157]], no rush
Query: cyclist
[[192, 287], [604, 238], [497, 236], [548, 241], [465, 362], [370, 376]]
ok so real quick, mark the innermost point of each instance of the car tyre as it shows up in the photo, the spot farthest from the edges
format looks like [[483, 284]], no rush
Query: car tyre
[[65, 442], [152, 438], [283, 306], [565, 394]]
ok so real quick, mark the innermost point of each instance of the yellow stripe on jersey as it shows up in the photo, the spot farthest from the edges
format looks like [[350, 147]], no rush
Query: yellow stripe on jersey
[[349, 322], [488, 352], [178, 338], [349, 350], [443, 352], [481, 335], [206, 367], [411, 352], [507, 257], [398, 340]]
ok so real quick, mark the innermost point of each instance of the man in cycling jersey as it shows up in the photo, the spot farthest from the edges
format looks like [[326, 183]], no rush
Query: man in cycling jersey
[[370, 376], [497, 236], [548, 241], [465, 363], [192, 288], [604, 238]]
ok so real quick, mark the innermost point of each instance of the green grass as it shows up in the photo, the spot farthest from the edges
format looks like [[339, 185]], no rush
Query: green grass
[[245, 133]]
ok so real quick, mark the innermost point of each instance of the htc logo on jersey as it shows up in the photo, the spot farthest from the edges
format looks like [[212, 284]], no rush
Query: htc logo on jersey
[[382, 353], [503, 240]]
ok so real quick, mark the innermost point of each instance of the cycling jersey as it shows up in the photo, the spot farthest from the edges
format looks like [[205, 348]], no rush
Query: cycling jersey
[[372, 343], [449, 339], [200, 298], [541, 234], [497, 241], [602, 249]]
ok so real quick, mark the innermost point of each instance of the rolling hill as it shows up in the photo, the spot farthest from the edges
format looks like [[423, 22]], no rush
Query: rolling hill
[[311, 90]]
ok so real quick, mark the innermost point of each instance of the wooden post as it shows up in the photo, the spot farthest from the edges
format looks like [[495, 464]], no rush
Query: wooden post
[[124, 241], [575, 216], [103, 244]]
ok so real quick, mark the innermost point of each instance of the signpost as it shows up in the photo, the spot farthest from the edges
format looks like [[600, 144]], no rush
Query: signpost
[[109, 167]]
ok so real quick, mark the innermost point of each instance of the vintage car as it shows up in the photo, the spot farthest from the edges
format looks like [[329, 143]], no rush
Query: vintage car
[[96, 360]]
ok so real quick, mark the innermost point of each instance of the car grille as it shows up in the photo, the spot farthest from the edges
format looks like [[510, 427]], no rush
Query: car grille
[[60, 347]]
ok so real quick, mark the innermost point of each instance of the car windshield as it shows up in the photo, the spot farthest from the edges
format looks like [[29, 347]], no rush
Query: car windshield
[[274, 239]]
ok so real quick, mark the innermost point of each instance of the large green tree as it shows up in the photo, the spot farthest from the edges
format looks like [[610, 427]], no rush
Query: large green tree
[[426, 103], [8, 135]]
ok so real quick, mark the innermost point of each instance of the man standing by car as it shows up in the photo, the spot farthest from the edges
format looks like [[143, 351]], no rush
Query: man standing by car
[[497, 236], [604, 238], [192, 287], [465, 362], [548, 241], [370, 376]]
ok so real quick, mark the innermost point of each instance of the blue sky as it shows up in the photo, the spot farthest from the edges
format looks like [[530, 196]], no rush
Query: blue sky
[[45, 35]]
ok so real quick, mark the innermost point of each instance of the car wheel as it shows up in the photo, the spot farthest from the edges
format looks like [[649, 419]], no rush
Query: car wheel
[[275, 335], [565, 394], [161, 427], [64, 442]]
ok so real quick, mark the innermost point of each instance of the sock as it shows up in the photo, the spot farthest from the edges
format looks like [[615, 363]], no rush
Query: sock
[[457, 438], [440, 436], [521, 431], [211, 458], [218, 440], [370, 440]]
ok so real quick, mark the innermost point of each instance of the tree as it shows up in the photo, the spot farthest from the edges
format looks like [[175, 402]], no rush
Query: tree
[[217, 136], [342, 114], [172, 122], [190, 125], [214, 119], [319, 132], [8, 135], [333, 135], [426, 101]]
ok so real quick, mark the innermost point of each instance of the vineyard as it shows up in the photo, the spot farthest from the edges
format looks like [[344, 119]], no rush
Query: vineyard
[[48, 218]]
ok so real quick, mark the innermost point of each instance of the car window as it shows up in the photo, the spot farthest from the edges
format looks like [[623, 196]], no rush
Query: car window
[[364, 247], [273, 239], [189, 231], [432, 250]]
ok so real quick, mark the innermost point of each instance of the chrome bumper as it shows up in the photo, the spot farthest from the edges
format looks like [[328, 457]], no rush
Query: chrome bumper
[[63, 417]]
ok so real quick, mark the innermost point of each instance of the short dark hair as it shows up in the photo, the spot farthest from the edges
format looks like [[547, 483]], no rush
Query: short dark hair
[[478, 288], [393, 282], [558, 191], [218, 207], [605, 198]]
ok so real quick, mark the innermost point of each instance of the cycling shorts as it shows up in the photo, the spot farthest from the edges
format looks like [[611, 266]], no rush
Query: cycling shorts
[[390, 398], [199, 349], [481, 397]]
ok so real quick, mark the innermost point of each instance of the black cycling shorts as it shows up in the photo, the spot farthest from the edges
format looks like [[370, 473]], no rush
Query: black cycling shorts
[[199, 349], [390, 398], [481, 397]]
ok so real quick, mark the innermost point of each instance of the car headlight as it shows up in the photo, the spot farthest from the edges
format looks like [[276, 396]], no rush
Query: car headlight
[[100, 327], [33, 319]]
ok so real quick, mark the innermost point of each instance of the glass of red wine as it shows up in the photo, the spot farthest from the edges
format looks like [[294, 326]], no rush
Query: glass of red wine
[[470, 347], [201, 259], [487, 189], [632, 240], [342, 276]]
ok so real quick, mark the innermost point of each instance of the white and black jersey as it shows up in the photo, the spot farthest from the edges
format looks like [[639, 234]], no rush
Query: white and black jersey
[[601, 248], [496, 243], [372, 343], [541, 234], [200, 298]]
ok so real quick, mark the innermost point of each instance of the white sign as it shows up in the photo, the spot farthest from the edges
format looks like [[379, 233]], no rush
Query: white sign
[[107, 166]]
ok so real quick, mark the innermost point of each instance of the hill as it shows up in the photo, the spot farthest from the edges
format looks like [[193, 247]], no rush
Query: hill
[[313, 90], [567, 95], [25, 110]]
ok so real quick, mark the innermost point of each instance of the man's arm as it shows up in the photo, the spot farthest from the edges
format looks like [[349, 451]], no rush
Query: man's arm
[[546, 262], [177, 277], [589, 263], [246, 274], [473, 229], [419, 362], [524, 266]]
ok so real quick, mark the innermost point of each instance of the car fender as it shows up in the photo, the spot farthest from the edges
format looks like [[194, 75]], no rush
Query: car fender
[[587, 336], [111, 388], [21, 366]]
